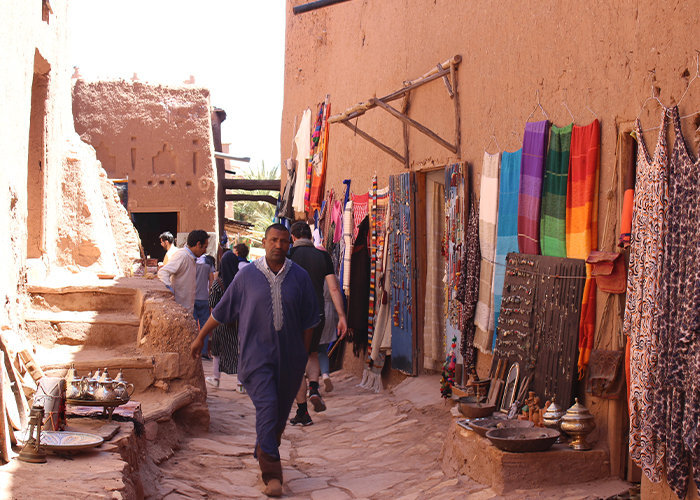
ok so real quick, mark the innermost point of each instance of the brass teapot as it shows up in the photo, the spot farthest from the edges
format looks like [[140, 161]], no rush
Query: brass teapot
[[552, 418], [578, 423]]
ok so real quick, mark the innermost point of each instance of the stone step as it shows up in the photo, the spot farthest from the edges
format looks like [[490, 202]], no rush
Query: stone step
[[85, 298], [89, 328]]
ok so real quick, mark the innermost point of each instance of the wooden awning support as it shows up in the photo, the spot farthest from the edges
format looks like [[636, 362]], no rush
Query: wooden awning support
[[253, 184], [447, 71], [251, 197]]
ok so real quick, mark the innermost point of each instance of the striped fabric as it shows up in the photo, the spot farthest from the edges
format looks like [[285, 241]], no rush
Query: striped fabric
[[531, 171], [347, 243], [318, 174], [582, 222], [488, 220], [372, 262], [553, 219], [507, 239]]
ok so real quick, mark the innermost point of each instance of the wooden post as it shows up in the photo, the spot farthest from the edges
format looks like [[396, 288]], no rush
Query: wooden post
[[455, 98], [4, 431], [404, 110]]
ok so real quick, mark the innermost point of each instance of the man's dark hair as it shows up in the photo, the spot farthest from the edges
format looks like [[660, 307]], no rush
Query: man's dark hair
[[276, 227], [197, 236], [242, 250], [301, 229], [167, 236]]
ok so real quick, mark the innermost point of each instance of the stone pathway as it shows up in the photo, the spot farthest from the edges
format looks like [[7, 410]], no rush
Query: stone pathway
[[365, 446]]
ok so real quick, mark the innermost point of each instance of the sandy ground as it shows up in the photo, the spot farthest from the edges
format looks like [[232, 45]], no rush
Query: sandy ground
[[366, 445]]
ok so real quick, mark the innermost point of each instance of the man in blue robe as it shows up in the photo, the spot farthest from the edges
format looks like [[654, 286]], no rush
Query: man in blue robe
[[276, 307]]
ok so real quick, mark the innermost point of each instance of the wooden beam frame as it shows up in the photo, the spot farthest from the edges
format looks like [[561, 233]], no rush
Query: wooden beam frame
[[448, 72]]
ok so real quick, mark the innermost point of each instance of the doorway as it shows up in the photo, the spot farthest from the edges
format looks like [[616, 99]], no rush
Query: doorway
[[150, 225]]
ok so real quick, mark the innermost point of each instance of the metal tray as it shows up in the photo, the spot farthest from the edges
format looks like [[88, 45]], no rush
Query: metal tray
[[522, 440], [69, 441]]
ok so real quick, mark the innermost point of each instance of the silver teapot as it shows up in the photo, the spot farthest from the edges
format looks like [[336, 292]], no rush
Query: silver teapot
[[105, 391], [122, 387], [90, 386]]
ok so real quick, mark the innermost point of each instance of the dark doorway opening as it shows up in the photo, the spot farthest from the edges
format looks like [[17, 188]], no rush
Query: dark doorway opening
[[150, 225]]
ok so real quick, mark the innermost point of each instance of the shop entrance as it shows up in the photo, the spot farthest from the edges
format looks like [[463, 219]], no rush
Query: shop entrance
[[150, 225]]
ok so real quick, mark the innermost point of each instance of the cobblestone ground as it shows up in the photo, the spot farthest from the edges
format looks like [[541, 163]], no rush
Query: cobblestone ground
[[364, 446]]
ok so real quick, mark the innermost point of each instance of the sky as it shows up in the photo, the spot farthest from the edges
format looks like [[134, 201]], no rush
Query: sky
[[235, 48]]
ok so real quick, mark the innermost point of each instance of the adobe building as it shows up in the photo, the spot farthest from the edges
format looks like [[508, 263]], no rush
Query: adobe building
[[69, 253], [596, 60], [159, 142]]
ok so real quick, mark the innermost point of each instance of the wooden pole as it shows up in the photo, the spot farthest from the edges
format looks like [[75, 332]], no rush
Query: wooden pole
[[455, 99], [416, 125], [15, 381], [404, 109], [374, 141], [4, 431]]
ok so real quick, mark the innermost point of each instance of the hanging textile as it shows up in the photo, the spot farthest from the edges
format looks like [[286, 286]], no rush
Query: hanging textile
[[582, 223], [507, 238], [531, 172], [488, 224], [313, 156], [553, 220], [284, 206], [676, 405], [337, 220], [468, 290], [381, 338], [358, 301], [360, 210], [302, 142], [347, 247], [372, 261], [401, 239], [626, 170], [326, 218], [320, 159], [434, 323], [644, 297]]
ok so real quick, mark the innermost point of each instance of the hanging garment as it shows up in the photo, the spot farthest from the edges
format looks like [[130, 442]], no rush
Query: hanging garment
[[676, 404], [382, 327], [582, 223], [434, 324], [488, 224], [285, 208], [507, 238], [553, 219], [337, 219], [302, 142], [468, 290], [358, 301], [315, 158], [644, 298], [531, 172]]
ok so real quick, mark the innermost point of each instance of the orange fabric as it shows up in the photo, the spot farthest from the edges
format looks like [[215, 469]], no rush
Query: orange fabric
[[318, 179], [582, 223]]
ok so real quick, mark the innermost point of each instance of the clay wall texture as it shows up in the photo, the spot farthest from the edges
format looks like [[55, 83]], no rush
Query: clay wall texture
[[158, 137], [604, 55], [57, 213]]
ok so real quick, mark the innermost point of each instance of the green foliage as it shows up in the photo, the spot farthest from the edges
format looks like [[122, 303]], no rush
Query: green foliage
[[258, 213]]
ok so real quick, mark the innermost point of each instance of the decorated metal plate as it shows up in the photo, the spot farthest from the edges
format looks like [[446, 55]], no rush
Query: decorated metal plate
[[69, 441]]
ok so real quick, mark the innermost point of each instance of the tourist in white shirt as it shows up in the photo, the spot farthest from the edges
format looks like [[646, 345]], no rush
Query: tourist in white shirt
[[167, 242], [179, 274]]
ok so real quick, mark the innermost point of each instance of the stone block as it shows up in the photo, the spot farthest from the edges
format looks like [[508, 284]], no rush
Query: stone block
[[465, 452], [151, 430], [166, 365]]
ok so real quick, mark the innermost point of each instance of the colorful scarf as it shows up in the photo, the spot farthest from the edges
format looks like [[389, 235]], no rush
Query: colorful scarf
[[468, 290], [488, 222], [531, 171], [507, 239], [360, 210], [553, 220], [582, 222]]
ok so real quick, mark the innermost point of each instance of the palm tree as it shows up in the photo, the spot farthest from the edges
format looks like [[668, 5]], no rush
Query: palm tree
[[258, 213]]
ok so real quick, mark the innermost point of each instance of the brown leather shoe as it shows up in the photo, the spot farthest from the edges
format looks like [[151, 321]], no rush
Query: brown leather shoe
[[273, 488]]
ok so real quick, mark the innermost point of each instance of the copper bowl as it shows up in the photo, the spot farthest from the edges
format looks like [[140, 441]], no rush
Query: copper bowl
[[471, 408], [482, 425], [523, 440]]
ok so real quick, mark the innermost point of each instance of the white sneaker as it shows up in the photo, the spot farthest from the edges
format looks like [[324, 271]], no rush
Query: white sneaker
[[327, 383], [214, 382]]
